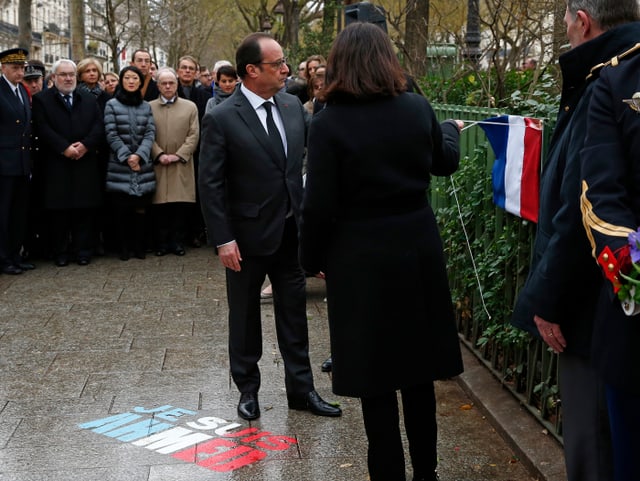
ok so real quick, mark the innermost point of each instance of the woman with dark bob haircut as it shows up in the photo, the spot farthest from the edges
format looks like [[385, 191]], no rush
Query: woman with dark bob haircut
[[131, 181], [367, 224]]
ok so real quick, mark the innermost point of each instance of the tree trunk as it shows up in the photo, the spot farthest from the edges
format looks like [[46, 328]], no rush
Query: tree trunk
[[416, 35], [77, 30], [559, 29], [291, 22], [329, 17], [24, 24]]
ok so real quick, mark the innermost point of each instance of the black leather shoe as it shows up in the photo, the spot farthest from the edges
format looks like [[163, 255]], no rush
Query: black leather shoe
[[178, 250], [429, 477], [248, 407], [11, 269], [62, 261], [314, 403], [84, 261], [161, 252], [26, 266], [327, 365]]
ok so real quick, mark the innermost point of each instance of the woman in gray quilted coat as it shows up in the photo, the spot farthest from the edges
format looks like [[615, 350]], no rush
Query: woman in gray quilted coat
[[131, 181]]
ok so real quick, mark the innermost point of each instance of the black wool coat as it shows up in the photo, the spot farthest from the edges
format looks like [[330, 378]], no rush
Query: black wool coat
[[367, 225], [69, 183]]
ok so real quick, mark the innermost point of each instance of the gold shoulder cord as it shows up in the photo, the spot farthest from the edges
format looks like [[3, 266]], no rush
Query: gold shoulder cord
[[614, 61], [592, 222]]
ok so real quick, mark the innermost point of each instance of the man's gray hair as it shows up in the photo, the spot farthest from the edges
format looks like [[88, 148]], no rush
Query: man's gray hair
[[606, 13], [57, 64], [164, 70]]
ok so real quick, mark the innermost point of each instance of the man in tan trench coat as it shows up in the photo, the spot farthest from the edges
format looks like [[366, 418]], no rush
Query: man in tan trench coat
[[177, 135]]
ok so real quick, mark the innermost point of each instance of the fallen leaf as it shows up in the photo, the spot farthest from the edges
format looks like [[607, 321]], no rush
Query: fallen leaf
[[466, 407]]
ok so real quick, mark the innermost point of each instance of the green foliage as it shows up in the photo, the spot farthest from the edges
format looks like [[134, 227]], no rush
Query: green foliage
[[496, 243], [525, 94], [315, 42]]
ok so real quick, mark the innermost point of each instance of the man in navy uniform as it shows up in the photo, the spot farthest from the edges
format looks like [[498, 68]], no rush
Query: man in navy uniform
[[15, 161], [610, 202]]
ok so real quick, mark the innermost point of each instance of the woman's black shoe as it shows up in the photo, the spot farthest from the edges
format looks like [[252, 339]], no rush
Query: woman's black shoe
[[327, 365]]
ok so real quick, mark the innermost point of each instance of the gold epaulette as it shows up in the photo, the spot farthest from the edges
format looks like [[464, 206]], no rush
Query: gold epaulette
[[614, 61]]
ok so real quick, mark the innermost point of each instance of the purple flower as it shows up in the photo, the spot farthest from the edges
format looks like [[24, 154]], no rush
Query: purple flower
[[634, 246]]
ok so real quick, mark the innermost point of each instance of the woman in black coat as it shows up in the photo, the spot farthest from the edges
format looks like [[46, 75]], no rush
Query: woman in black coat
[[367, 225]]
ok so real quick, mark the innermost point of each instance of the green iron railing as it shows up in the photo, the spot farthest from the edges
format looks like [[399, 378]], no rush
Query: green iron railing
[[484, 293]]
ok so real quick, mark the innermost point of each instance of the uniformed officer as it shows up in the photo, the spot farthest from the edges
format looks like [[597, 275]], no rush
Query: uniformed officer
[[15, 161], [610, 203]]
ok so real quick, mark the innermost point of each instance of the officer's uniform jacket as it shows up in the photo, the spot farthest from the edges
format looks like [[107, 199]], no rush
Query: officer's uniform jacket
[[610, 203]]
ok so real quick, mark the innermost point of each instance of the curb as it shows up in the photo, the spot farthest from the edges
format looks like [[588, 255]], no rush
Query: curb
[[539, 452]]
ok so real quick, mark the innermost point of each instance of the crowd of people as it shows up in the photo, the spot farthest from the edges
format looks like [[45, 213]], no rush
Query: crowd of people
[[134, 190]]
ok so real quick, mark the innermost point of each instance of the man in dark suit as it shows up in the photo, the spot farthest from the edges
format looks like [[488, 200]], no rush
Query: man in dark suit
[[187, 72], [251, 189], [15, 161], [141, 58], [70, 131]]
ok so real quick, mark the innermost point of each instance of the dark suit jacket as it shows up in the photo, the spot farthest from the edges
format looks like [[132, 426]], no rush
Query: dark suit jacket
[[198, 96], [15, 132], [244, 191], [69, 183]]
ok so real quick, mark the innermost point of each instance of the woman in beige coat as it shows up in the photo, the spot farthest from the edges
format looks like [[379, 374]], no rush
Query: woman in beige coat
[[177, 135]]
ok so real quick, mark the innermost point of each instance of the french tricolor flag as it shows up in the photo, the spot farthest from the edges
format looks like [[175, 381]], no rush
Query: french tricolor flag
[[517, 143]]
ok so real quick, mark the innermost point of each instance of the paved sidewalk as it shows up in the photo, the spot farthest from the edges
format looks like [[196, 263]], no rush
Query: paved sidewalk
[[114, 371]]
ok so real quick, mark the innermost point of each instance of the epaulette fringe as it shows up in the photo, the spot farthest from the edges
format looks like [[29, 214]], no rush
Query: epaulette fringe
[[614, 61]]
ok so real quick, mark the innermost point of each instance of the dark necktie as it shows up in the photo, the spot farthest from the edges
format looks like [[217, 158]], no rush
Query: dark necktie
[[274, 135], [18, 95], [67, 101]]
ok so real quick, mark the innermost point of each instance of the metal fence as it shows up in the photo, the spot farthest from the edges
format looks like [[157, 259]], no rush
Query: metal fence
[[488, 254]]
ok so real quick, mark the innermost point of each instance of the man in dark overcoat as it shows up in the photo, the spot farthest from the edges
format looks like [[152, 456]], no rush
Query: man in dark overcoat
[[70, 129], [187, 89], [251, 189], [15, 160]]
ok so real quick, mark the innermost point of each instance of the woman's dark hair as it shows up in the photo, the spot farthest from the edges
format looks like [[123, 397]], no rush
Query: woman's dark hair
[[249, 52], [362, 64], [226, 70], [124, 96]]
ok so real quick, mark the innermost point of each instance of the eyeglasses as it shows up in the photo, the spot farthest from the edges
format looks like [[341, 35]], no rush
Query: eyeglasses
[[277, 64], [187, 67]]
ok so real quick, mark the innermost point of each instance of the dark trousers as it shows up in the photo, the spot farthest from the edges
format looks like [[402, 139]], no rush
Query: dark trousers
[[289, 303], [129, 227], [170, 223], [585, 423], [75, 225], [624, 417], [382, 424], [14, 208]]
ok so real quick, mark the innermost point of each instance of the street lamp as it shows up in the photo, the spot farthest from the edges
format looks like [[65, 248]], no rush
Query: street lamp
[[472, 37], [266, 26], [278, 10]]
